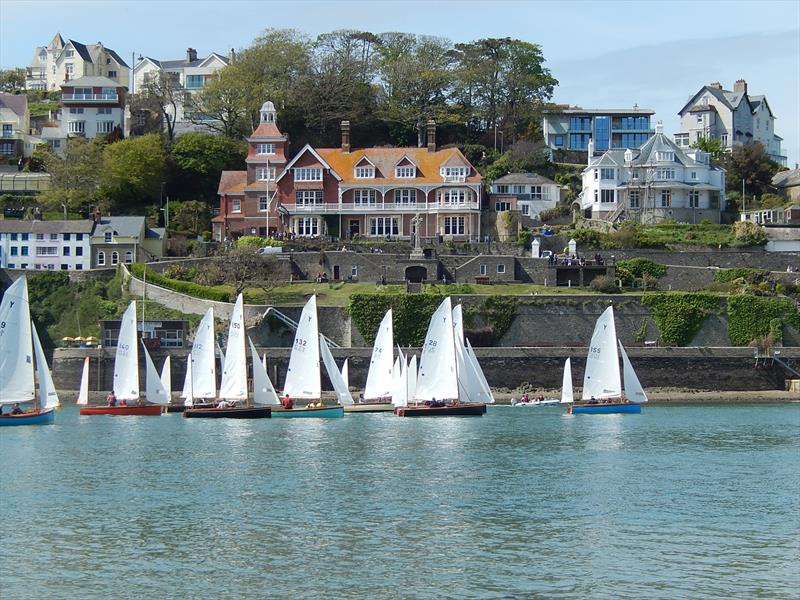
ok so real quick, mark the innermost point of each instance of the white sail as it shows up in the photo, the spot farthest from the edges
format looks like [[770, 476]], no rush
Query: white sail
[[398, 391], [566, 383], [188, 390], [601, 378], [487, 395], [126, 361], [264, 361], [346, 374], [234, 373], [411, 378], [633, 388], [48, 398], [83, 392], [458, 322], [342, 393], [263, 391], [153, 388], [16, 346], [303, 375], [221, 355], [166, 377], [379, 376], [204, 369], [437, 365]]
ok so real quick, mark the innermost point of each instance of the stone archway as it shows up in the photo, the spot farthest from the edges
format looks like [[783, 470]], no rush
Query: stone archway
[[416, 274]]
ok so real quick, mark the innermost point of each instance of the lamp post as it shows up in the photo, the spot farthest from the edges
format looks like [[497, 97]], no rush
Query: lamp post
[[161, 203]]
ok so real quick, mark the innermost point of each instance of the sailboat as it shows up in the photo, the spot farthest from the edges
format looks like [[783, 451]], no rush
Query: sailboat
[[233, 387], [126, 375], [19, 346], [378, 389], [83, 390], [602, 386], [200, 382], [438, 385], [303, 380]]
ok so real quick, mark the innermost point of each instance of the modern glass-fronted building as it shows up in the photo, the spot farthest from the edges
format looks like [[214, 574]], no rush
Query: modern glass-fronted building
[[571, 128]]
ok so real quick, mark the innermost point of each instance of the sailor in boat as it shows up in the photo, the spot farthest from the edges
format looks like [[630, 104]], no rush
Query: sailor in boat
[[123, 402], [287, 402], [111, 399], [16, 410]]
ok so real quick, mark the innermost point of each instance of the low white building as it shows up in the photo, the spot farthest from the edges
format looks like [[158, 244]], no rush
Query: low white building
[[46, 245], [657, 182], [528, 193]]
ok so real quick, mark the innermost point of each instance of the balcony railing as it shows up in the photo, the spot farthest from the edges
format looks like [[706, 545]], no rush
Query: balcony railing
[[91, 97], [454, 178], [385, 207]]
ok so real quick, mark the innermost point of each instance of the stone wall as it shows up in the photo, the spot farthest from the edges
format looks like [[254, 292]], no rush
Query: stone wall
[[713, 369]]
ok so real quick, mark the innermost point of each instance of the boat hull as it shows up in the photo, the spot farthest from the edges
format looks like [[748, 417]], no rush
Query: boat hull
[[326, 412], [148, 410], [39, 417], [605, 409], [244, 412], [179, 408], [458, 410], [369, 407]]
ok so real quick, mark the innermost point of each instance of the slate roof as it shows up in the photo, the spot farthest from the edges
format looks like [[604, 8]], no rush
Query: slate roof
[[645, 155], [18, 104], [117, 57], [524, 179], [82, 50], [121, 226], [68, 226], [786, 179], [92, 81]]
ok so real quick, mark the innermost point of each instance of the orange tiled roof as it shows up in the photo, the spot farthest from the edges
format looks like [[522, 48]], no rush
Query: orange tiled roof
[[267, 130], [385, 159], [231, 182]]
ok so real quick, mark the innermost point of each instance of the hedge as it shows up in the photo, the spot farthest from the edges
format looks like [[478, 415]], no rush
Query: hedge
[[752, 317], [184, 287], [679, 316]]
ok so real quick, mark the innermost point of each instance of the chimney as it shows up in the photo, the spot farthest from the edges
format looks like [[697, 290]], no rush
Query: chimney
[[716, 85], [346, 137], [740, 87], [431, 125], [191, 54]]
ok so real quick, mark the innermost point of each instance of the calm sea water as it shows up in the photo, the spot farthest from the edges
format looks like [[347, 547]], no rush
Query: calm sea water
[[678, 502]]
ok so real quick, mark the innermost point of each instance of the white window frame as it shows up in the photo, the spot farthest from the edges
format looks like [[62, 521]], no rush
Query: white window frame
[[46, 251], [608, 196], [665, 156], [454, 196], [264, 148], [525, 209], [307, 226], [115, 257], [308, 197], [265, 173], [108, 237], [405, 197], [501, 268], [634, 199], [128, 257], [694, 198], [482, 270], [607, 174], [665, 173], [665, 198], [502, 206], [405, 172], [101, 259], [76, 126], [105, 126], [454, 225], [365, 197], [236, 205], [365, 172], [263, 203], [383, 226], [307, 174]]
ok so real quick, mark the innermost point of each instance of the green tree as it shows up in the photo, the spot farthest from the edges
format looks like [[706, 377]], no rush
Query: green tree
[[750, 163], [75, 178], [416, 75], [165, 92], [773, 201], [190, 216], [200, 158], [133, 171], [12, 80], [713, 146], [221, 106]]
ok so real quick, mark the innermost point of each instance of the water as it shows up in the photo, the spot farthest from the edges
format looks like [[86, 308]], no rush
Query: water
[[680, 501]]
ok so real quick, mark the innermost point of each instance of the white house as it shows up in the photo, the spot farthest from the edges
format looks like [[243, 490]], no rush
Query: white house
[[191, 73], [734, 118], [528, 193], [654, 183], [46, 245]]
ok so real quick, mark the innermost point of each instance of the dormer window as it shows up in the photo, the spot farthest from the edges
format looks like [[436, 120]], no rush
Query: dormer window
[[262, 148], [453, 173], [405, 172], [663, 156], [365, 172]]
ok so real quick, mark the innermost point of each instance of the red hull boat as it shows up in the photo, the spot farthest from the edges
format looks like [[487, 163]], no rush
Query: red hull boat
[[456, 410], [146, 410]]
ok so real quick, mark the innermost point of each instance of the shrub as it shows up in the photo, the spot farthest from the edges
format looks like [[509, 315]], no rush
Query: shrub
[[637, 268], [680, 315], [749, 234], [184, 287], [604, 284]]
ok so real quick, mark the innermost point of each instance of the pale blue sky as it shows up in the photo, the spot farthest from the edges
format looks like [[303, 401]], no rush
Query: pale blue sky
[[605, 54]]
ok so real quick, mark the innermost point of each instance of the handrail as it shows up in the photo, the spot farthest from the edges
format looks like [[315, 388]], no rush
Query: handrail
[[293, 324]]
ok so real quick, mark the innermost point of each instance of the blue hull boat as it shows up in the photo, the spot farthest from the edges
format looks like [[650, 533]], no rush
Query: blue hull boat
[[326, 412], [46, 417], [605, 409]]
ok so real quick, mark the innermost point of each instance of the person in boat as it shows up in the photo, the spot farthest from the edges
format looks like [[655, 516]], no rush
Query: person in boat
[[592, 400], [222, 404], [287, 402], [16, 410], [524, 397], [111, 399], [123, 402]]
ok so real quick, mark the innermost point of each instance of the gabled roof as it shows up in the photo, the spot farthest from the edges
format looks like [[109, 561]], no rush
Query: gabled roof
[[385, 159], [267, 131], [755, 102], [211, 57], [319, 156], [60, 226], [717, 93], [232, 182], [117, 58], [121, 226], [56, 43], [786, 179], [82, 50], [18, 104], [364, 159], [406, 158]]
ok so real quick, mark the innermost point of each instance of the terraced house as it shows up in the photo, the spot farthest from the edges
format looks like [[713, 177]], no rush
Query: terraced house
[[345, 192]]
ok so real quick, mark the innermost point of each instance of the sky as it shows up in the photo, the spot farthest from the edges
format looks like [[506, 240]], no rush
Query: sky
[[605, 54]]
